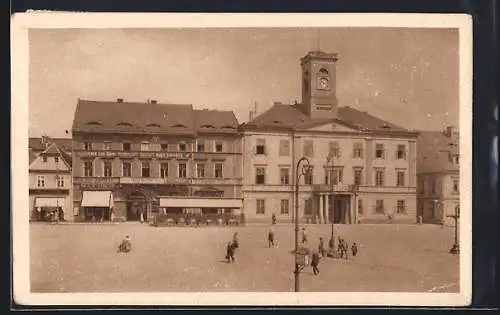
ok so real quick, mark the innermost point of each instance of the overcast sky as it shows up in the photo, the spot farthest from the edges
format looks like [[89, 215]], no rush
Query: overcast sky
[[406, 76]]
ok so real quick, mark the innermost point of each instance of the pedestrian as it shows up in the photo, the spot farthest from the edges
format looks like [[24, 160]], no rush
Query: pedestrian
[[304, 236], [339, 246], [270, 238], [126, 245], [235, 240], [345, 248], [273, 219], [331, 244], [230, 252], [354, 249], [321, 247], [142, 217], [315, 262]]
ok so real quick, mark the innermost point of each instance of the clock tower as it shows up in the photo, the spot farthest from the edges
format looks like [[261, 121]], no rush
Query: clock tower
[[319, 97]]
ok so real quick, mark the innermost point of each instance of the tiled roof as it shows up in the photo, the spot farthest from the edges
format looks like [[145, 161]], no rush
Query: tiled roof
[[36, 144], [32, 156], [435, 151], [53, 149], [290, 116], [128, 117]]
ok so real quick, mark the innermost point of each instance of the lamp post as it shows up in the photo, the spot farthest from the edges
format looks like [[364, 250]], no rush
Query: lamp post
[[330, 165], [455, 249], [305, 170]]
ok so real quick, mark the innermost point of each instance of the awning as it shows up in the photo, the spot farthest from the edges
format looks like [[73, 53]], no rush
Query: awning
[[200, 203], [97, 199], [45, 202]]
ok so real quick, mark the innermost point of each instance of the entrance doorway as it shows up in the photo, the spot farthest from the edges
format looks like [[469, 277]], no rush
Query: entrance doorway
[[340, 213], [136, 204]]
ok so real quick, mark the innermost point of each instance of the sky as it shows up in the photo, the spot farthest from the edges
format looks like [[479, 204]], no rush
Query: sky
[[408, 76]]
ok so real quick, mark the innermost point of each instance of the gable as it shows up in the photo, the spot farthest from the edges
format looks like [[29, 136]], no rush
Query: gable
[[331, 127], [50, 165]]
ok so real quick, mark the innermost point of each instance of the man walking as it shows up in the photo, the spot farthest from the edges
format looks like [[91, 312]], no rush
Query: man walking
[[270, 238], [321, 247], [315, 262], [304, 236]]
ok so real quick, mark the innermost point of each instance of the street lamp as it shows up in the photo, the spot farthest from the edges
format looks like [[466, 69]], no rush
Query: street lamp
[[455, 249], [305, 171]]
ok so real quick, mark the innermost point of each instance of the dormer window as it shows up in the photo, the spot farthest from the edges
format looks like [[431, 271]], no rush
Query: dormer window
[[94, 123], [227, 127], [44, 159], [56, 159], [153, 126], [207, 126], [124, 124], [179, 126]]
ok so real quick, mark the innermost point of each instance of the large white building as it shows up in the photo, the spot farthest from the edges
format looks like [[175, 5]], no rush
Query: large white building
[[363, 169]]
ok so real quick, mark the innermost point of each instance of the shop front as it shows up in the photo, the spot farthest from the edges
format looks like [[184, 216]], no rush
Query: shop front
[[49, 209], [97, 206]]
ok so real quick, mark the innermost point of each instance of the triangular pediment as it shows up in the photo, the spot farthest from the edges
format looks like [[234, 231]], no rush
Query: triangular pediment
[[329, 126], [51, 159]]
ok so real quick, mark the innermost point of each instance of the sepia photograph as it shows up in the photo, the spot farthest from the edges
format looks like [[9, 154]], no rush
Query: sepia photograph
[[254, 159]]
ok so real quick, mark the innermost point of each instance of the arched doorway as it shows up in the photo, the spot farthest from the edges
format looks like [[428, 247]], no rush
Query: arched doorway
[[136, 204]]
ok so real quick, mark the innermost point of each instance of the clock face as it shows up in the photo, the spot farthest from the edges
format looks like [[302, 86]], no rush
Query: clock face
[[323, 83]]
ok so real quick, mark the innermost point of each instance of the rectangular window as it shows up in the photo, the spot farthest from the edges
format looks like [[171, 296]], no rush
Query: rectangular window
[[261, 206], [145, 146], [284, 176], [336, 173], [60, 181], [218, 170], [182, 147], [200, 145], [260, 149], [379, 177], [361, 209], [164, 147], [260, 176], [107, 146], [309, 176], [401, 152], [145, 169], [308, 148], [126, 146], [379, 151], [87, 169], [401, 207], [456, 186], [334, 149], [108, 169], [126, 169], [164, 170], [200, 170], [284, 206], [284, 148], [87, 146], [357, 151], [358, 176], [40, 181], [379, 207], [219, 146], [182, 172], [400, 177]]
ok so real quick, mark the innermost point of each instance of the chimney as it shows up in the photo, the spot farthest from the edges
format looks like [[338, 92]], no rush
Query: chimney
[[251, 115], [119, 100]]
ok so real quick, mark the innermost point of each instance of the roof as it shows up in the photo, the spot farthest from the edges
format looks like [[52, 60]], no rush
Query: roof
[[53, 149], [151, 118], [291, 117], [32, 156], [37, 145], [435, 152], [61, 146]]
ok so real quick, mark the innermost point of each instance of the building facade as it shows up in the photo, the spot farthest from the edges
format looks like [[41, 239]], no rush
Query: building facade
[[133, 161], [438, 176], [362, 169], [49, 181]]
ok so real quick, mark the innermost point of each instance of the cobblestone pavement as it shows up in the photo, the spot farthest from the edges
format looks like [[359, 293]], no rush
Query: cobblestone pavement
[[84, 258]]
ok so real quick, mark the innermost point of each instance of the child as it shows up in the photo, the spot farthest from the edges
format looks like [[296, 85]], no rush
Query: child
[[354, 249], [125, 245], [304, 236], [270, 238]]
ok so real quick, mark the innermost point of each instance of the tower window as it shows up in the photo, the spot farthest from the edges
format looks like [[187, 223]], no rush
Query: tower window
[[323, 72]]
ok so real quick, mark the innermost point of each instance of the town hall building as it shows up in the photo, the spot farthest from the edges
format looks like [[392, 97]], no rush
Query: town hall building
[[361, 168]]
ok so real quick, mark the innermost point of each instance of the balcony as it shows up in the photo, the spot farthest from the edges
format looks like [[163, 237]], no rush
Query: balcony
[[152, 154], [216, 181], [154, 181], [335, 188]]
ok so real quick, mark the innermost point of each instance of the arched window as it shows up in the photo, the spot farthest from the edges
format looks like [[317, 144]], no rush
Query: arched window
[[323, 72], [94, 123], [153, 125], [124, 124]]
